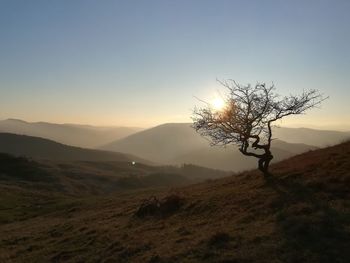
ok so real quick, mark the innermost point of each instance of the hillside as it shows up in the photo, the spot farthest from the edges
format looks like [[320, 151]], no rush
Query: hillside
[[179, 143], [319, 138], [35, 147], [77, 135], [81, 178], [300, 214]]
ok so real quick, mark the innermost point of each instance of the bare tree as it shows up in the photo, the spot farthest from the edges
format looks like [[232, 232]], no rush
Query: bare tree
[[248, 116]]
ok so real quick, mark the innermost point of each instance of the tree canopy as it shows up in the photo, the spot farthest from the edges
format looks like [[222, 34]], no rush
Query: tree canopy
[[248, 115]]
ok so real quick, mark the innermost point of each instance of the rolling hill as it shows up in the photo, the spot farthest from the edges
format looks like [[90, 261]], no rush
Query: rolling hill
[[35, 147], [94, 178], [77, 135], [161, 143], [179, 143], [54, 166], [299, 214]]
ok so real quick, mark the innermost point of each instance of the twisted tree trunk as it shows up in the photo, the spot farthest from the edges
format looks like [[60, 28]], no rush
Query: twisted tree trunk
[[264, 163], [264, 158]]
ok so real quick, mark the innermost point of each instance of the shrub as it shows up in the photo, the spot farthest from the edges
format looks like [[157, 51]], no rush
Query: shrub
[[155, 207], [219, 239], [148, 207], [171, 204]]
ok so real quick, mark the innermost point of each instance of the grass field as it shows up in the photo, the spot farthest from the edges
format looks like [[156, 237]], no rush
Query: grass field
[[300, 214]]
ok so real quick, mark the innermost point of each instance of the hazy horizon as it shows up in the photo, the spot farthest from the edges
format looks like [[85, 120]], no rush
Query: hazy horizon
[[296, 125], [143, 64]]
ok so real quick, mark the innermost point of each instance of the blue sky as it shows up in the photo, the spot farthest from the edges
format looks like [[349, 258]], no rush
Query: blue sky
[[141, 63]]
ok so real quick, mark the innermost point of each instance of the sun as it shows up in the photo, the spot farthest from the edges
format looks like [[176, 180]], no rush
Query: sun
[[218, 103]]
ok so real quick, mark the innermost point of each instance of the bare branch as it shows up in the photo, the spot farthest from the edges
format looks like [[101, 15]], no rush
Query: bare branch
[[248, 116]]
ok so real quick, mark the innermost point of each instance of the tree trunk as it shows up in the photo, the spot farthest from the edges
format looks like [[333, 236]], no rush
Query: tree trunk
[[264, 163]]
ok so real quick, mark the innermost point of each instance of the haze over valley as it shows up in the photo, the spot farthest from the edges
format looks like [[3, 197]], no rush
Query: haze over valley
[[167, 144], [72, 134]]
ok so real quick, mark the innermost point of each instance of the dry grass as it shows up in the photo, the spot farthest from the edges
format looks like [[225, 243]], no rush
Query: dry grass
[[302, 214]]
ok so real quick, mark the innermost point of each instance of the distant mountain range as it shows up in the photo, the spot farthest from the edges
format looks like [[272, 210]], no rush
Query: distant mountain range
[[319, 138], [172, 143], [71, 134], [179, 143]]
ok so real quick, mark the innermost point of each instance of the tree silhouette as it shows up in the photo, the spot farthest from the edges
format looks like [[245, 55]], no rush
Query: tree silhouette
[[247, 118]]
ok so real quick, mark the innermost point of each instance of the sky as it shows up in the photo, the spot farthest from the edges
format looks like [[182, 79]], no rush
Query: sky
[[143, 63]]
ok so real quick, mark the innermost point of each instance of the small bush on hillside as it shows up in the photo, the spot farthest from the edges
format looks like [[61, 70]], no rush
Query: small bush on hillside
[[155, 259], [156, 207], [148, 207], [171, 204], [219, 239]]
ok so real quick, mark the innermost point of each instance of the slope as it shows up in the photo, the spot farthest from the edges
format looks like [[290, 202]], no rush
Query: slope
[[83, 178], [300, 214], [35, 147]]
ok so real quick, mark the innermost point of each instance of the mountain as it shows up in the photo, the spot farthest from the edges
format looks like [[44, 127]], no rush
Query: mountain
[[161, 143], [319, 138], [300, 213], [179, 143], [35, 147], [77, 135]]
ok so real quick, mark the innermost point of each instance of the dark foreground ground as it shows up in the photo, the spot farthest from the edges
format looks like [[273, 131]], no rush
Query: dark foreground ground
[[300, 214]]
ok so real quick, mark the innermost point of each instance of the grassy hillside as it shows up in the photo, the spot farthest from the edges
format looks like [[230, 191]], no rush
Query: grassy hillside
[[300, 214], [78, 135], [95, 177], [30, 188]]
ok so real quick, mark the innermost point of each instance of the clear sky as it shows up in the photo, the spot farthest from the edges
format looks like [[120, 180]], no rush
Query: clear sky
[[141, 63]]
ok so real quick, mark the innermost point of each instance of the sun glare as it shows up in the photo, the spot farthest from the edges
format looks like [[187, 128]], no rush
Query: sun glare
[[218, 103]]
